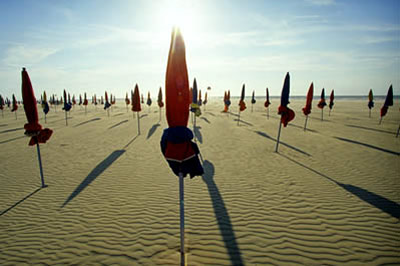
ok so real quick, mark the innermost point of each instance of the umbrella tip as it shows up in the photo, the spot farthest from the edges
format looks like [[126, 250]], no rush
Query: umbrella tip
[[23, 69]]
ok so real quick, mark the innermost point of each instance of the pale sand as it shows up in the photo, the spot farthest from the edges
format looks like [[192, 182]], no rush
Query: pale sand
[[324, 199]]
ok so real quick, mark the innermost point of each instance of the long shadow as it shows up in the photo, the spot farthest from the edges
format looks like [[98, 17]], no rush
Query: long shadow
[[118, 114], [118, 124], [19, 202], [368, 145], [144, 115], [307, 129], [222, 215], [3, 125], [230, 113], [86, 122], [382, 203], [197, 134], [209, 113], [205, 119], [372, 129], [9, 140], [243, 122], [11, 130], [282, 143], [152, 130], [129, 143], [100, 168]]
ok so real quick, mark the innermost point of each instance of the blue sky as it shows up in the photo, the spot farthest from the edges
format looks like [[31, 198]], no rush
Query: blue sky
[[349, 46]]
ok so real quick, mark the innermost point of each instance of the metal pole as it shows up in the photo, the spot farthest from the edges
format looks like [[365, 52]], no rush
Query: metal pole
[[138, 122], [380, 121], [66, 119], [267, 112], [329, 112], [40, 164], [182, 217], [398, 130], [108, 112], [305, 124], [238, 118], [279, 136], [369, 113], [45, 121], [16, 116], [322, 114], [85, 110], [160, 114]]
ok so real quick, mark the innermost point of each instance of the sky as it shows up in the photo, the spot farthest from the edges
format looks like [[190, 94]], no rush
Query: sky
[[91, 46]]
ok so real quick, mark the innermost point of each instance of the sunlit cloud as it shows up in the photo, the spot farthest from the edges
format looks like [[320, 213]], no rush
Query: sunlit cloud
[[22, 55]]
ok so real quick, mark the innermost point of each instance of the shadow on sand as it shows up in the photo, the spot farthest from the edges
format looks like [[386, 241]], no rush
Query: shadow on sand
[[11, 130], [221, 213], [22, 200], [152, 130], [265, 135], [205, 119], [129, 143], [86, 122], [382, 203], [243, 122], [9, 140], [368, 145], [100, 168], [372, 129], [118, 124], [197, 134]]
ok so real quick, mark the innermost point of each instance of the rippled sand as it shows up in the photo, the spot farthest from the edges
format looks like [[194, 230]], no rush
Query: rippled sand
[[329, 197]]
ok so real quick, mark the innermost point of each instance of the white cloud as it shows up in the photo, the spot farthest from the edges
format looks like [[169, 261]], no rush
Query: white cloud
[[21, 55]]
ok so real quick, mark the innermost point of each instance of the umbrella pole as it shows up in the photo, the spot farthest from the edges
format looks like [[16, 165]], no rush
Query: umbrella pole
[[138, 122], [182, 217], [160, 114], [16, 116], [252, 108], [398, 130], [85, 110], [2, 113], [108, 112], [305, 124], [45, 120], [66, 119], [194, 127], [380, 121], [40, 164], [279, 136], [322, 114], [329, 112], [267, 112], [238, 118], [369, 113]]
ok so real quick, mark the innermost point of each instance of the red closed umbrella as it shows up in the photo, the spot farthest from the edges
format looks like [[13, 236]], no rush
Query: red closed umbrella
[[307, 109], [159, 101], [331, 98], [33, 128], [136, 105], [267, 103], [176, 145], [388, 102]]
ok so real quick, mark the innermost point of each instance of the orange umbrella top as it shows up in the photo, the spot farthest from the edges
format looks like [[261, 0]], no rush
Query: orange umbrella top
[[177, 83]]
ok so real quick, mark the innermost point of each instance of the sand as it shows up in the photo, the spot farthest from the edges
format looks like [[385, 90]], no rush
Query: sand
[[329, 197]]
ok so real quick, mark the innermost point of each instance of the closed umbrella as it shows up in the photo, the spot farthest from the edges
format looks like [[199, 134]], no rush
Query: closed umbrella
[[267, 103], [242, 104], [160, 101], [322, 104], [388, 102], [307, 109], [370, 101], [331, 98], [136, 105]]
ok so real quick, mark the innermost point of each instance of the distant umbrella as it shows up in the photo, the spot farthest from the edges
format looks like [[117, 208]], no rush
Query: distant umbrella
[[286, 113], [253, 100], [159, 101], [180, 153], [370, 101], [331, 98], [388, 102], [148, 102], [200, 102], [45, 106], [307, 109], [107, 104], [2, 105], [80, 99], [136, 105], [127, 101], [205, 100], [267, 103], [242, 104], [33, 128], [194, 107], [66, 107], [14, 106], [322, 104]]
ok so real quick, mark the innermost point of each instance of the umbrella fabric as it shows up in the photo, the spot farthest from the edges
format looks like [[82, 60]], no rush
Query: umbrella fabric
[[253, 98], [112, 99], [200, 101], [95, 99], [322, 102], [205, 98], [80, 99], [388, 101], [370, 99], [136, 100], [194, 106], [148, 99], [101, 100], [85, 100], [226, 107], [1, 103], [142, 99], [286, 113], [242, 104], [159, 99], [32, 128], [14, 104], [107, 103], [267, 102], [331, 98], [69, 99], [73, 100], [45, 104], [307, 109], [127, 101], [176, 145], [67, 106]]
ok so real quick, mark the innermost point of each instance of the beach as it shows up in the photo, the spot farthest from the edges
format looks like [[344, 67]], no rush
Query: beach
[[330, 196]]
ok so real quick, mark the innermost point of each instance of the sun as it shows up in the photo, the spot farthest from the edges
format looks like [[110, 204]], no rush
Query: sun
[[181, 14]]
